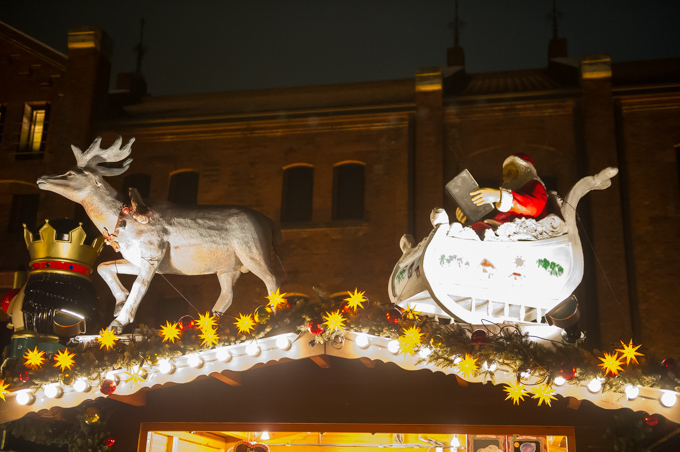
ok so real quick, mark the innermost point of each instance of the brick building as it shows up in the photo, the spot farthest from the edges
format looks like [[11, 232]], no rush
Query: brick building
[[347, 169]]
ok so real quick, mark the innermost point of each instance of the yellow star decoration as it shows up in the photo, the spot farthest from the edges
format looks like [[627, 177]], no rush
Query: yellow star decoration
[[64, 359], [170, 332], [34, 358], [629, 352], [3, 389], [355, 299], [136, 376], [276, 299], [411, 314], [611, 364], [544, 393], [468, 365], [410, 340], [209, 337], [334, 321], [106, 339], [245, 323], [516, 392], [206, 322]]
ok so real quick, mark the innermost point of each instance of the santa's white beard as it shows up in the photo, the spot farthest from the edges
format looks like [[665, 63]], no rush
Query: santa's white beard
[[526, 175]]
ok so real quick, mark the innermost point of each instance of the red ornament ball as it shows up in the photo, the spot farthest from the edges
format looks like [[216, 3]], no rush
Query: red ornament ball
[[393, 316], [567, 372], [479, 336], [108, 441], [24, 376], [186, 322], [668, 363], [314, 327], [107, 387], [652, 420]]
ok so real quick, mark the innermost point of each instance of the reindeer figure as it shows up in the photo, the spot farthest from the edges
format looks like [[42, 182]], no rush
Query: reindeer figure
[[170, 239]]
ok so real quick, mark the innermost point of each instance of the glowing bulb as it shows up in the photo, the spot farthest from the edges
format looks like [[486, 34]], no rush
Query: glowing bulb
[[53, 391], [165, 366], [631, 391], [424, 352], [455, 442], [393, 346], [362, 340], [439, 449], [25, 397], [223, 354], [668, 399], [559, 381], [489, 368], [526, 374], [81, 385], [253, 349], [265, 436], [595, 385], [283, 343], [194, 361], [457, 359], [111, 375]]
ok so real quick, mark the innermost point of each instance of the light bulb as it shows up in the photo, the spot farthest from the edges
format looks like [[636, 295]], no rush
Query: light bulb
[[195, 361], [393, 346], [424, 352], [265, 436], [53, 391], [253, 349], [283, 343], [559, 381], [595, 385], [362, 340], [631, 391], [455, 442], [165, 366], [81, 385], [668, 398], [223, 354], [111, 375], [25, 397]]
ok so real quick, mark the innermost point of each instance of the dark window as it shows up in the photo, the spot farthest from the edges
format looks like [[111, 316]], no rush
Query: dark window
[[140, 181], [24, 211], [183, 188], [33, 132], [296, 200], [348, 191]]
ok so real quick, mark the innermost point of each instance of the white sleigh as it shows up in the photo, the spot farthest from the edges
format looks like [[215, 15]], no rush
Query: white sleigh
[[516, 275]]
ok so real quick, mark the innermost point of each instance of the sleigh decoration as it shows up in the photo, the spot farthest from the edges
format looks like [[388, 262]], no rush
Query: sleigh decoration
[[517, 274]]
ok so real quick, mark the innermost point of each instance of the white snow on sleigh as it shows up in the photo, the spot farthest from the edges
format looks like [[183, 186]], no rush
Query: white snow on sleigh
[[517, 274]]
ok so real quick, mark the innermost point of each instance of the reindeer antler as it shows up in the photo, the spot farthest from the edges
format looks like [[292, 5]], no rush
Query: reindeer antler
[[94, 155]]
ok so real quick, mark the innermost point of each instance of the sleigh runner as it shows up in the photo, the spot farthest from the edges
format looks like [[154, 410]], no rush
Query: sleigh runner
[[517, 274]]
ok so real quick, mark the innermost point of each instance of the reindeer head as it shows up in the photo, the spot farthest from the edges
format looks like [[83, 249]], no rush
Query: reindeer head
[[79, 181]]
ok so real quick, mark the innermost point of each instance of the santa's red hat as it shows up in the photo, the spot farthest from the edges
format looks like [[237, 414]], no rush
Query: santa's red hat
[[522, 159]]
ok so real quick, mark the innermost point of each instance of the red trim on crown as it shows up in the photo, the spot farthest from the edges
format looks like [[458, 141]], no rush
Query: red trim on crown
[[60, 265]]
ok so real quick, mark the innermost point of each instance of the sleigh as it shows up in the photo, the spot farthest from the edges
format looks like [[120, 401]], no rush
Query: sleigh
[[517, 274]]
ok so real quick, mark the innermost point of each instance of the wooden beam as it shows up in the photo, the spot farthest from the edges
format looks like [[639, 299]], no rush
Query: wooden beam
[[461, 382], [322, 361], [367, 362], [136, 399], [228, 376]]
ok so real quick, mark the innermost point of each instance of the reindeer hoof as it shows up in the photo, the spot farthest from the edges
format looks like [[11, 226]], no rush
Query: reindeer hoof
[[118, 308], [116, 327]]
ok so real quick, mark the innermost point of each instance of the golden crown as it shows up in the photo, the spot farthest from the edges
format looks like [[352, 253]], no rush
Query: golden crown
[[75, 250]]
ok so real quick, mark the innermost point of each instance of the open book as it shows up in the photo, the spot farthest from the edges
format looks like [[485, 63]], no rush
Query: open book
[[459, 189]]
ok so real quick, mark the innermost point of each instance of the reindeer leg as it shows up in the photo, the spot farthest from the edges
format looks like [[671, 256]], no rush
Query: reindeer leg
[[260, 265], [227, 280], [109, 272], [139, 288]]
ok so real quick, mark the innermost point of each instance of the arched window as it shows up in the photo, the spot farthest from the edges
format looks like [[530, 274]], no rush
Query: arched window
[[348, 191], [183, 187], [140, 181], [296, 198]]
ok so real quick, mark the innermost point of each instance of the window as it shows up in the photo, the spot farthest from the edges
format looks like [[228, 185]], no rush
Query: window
[[33, 132], [183, 187], [24, 211], [296, 199], [140, 181], [348, 191]]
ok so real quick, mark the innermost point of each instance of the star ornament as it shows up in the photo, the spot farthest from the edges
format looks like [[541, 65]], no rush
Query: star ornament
[[170, 332], [611, 364], [334, 321], [64, 360], [630, 352], [206, 322], [468, 365], [410, 340], [544, 394], [209, 337], [516, 392], [34, 358], [107, 338], [276, 300], [244, 323], [136, 376], [3, 389], [411, 314], [355, 299]]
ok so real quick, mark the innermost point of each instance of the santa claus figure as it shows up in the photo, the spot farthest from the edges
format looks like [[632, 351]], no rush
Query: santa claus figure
[[523, 195]]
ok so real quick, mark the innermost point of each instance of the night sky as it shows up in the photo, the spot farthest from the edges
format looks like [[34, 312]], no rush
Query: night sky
[[228, 45]]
